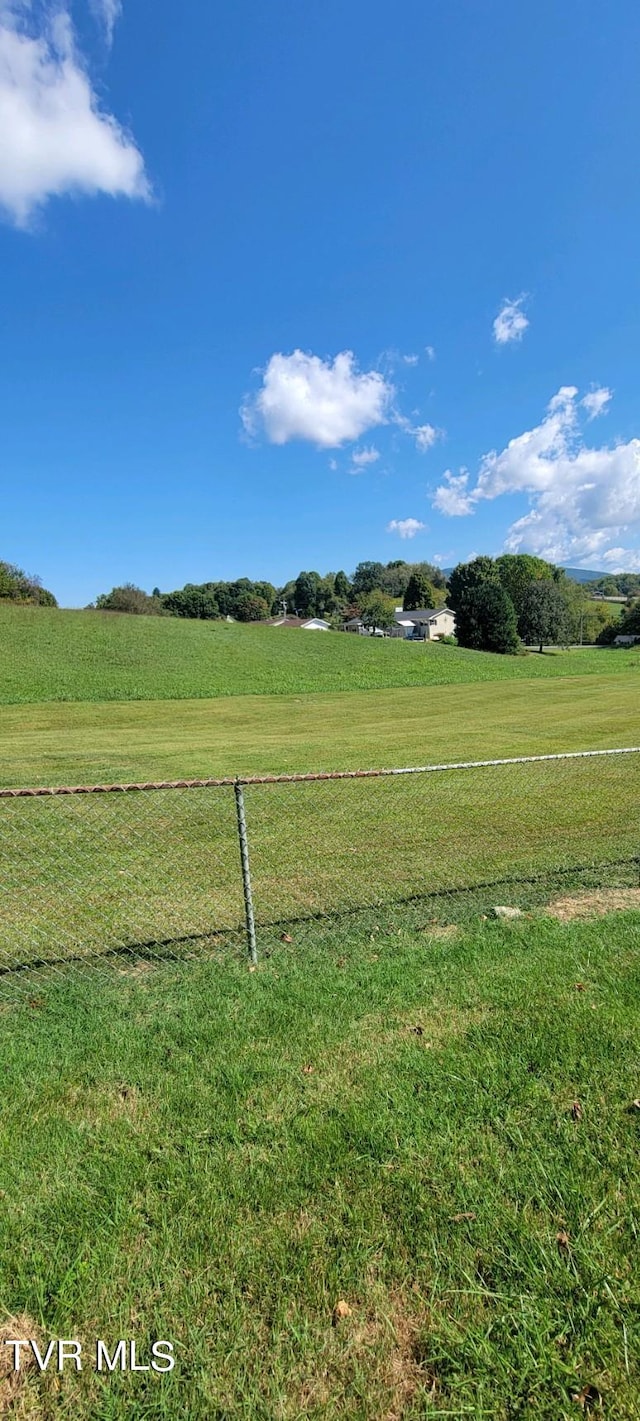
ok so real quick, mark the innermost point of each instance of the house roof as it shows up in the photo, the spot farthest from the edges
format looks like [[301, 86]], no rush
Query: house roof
[[421, 614]]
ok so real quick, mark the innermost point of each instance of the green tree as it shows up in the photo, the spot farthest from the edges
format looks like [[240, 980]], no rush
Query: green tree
[[433, 574], [305, 592], [544, 615], [486, 619], [469, 575], [129, 598], [18, 586], [595, 618], [518, 570], [326, 600], [608, 586], [193, 602], [419, 593], [628, 625], [368, 577], [251, 608], [378, 610], [629, 584], [395, 577], [342, 587]]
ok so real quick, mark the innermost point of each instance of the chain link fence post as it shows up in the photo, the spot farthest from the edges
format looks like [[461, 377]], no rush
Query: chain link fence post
[[246, 873]]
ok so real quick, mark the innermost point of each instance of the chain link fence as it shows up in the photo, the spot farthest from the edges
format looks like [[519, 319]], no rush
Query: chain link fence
[[139, 873]]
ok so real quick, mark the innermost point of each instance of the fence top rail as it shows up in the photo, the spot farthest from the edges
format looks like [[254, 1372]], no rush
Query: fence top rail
[[146, 786]]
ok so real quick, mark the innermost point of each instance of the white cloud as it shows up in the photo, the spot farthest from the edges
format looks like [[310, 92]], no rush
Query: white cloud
[[510, 323], [430, 352], [597, 401], [452, 497], [326, 402], [582, 499], [55, 136], [405, 527], [107, 12], [411, 359], [425, 436], [333, 465], [362, 457]]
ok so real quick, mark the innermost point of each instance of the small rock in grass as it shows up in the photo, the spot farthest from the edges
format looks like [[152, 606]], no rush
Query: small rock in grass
[[506, 914]]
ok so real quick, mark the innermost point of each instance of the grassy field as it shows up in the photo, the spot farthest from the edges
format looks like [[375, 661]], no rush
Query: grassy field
[[218, 1158], [92, 743], [160, 872], [381, 1113], [50, 655]]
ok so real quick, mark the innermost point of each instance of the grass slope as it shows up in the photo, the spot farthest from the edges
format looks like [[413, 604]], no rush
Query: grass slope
[[217, 1159], [50, 655]]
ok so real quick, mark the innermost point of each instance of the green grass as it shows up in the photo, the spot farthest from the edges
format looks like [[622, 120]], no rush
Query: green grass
[[217, 1158], [85, 875], [50, 655], [92, 743]]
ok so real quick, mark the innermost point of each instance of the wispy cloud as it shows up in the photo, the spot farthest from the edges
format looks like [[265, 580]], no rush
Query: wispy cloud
[[510, 323], [597, 401], [424, 435], [107, 13], [56, 138], [362, 457]]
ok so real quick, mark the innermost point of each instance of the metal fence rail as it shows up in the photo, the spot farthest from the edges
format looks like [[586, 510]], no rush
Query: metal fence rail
[[165, 869]]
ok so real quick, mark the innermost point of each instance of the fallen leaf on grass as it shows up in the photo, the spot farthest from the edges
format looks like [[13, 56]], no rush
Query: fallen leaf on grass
[[586, 1398], [286, 937], [562, 1239], [307, 1070], [635, 1105], [579, 986], [461, 1218], [340, 1310], [576, 1110]]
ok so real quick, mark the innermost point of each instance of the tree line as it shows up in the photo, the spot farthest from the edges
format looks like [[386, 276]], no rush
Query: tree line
[[334, 596], [19, 586], [499, 603]]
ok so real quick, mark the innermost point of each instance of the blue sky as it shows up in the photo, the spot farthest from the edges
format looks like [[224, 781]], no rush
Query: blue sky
[[298, 284]]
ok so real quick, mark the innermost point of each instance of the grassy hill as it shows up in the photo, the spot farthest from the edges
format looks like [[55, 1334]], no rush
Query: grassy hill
[[50, 655]]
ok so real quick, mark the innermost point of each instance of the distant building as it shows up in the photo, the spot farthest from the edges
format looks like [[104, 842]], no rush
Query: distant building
[[307, 624], [425, 623]]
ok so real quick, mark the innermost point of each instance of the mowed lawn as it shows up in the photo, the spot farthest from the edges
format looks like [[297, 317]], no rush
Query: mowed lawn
[[93, 742], [88, 875], [50, 655], [436, 1130]]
